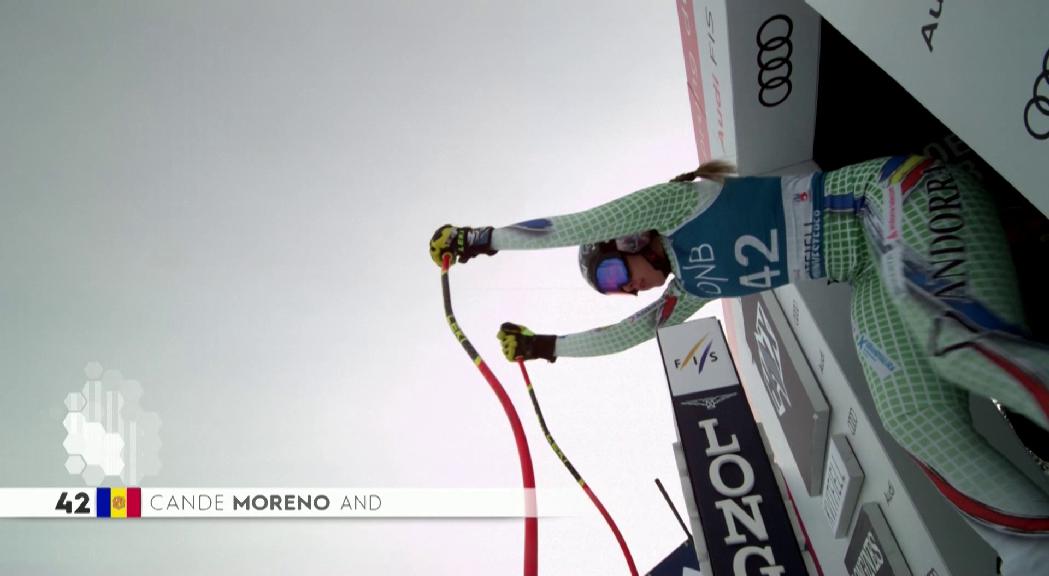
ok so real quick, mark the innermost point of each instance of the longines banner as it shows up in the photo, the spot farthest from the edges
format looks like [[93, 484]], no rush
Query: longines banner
[[752, 68], [796, 397], [745, 524]]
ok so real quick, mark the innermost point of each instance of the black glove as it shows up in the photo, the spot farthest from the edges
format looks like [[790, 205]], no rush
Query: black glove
[[461, 242], [519, 341]]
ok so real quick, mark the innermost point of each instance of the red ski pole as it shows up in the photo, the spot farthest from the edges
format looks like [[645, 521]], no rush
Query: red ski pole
[[531, 544]]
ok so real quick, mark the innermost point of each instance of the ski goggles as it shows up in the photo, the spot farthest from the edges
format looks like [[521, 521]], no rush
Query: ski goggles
[[611, 275]]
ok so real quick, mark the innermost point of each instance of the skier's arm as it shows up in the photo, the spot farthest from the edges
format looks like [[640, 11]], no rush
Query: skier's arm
[[662, 208], [673, 307]]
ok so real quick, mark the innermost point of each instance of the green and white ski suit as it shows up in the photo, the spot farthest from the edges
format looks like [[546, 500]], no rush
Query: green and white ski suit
[[935, 309]]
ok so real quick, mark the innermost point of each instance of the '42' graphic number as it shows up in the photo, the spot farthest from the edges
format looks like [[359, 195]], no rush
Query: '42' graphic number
[[66, 505], [763, 278]]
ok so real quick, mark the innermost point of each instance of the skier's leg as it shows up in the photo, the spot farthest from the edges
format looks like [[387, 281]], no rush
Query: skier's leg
[[929, 416], [944, 259]]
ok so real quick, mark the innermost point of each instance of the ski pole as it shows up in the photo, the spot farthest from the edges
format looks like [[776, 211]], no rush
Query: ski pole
[[531, 543], [575, 474]]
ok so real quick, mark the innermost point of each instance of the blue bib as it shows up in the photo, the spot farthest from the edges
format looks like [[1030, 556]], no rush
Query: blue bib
[[741, 243]]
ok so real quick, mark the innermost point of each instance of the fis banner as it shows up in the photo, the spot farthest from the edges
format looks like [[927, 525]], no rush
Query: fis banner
[[744, 525], [135, 502]]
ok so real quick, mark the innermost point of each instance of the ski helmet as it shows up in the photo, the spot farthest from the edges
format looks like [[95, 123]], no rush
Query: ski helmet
[[603, 265]]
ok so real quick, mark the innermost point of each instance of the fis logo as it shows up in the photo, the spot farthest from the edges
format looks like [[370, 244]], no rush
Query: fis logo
[[802, 196], [697, 358]]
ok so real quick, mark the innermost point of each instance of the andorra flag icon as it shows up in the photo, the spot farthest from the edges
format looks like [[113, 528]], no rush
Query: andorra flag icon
[[118, 503]]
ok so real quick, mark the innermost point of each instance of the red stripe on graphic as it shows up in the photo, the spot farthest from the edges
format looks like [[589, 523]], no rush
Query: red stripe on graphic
[[690, 46], [801, 524], [134, 502]]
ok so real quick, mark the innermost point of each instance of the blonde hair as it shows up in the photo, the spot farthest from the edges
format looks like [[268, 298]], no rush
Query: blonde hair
[[715, 170]]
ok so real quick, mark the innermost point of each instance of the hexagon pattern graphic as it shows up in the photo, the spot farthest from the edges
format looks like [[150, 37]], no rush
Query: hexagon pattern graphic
[[108, 434]]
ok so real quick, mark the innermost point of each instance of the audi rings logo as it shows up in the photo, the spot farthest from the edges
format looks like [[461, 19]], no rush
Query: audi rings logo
[[774, 66], [1039, 102]]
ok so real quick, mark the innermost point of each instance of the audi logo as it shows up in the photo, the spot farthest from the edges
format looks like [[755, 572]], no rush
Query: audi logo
[[1039, 102], [774, 66]]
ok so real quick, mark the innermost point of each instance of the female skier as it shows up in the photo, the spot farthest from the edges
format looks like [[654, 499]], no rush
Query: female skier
[[935, 309]]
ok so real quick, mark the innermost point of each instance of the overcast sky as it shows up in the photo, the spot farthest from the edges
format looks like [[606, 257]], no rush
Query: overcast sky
[[230, 202]]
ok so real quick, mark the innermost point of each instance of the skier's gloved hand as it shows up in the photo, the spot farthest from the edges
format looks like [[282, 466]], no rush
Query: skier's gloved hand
[[461, 242], [519, 341]]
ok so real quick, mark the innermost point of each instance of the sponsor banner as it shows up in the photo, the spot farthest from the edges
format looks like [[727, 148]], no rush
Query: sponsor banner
[[802, 208], [873, 550], [745, 525], [704, 38], [133, 502], [690, 47], [993, 93], [795, 395], [752, 68], [842, 481], [696, 358]]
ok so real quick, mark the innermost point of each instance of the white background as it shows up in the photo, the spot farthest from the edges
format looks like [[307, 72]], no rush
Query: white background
[[230, 203]]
